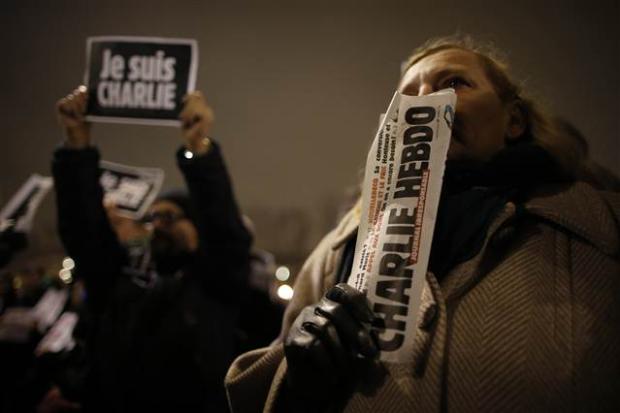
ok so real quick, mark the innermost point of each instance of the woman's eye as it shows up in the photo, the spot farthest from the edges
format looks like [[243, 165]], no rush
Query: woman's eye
[[456, 82]]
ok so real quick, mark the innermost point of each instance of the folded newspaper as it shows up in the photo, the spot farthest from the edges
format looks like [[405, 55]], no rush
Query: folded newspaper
[[400, 196]]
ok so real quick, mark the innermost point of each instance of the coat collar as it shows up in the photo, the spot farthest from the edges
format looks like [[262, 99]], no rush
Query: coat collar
[[582, 210], [577, 208]]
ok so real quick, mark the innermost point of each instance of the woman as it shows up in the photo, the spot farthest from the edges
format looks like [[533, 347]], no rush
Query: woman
[[520, 308]]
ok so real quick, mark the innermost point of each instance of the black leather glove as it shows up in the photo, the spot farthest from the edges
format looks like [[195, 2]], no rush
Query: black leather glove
[[329, 343]]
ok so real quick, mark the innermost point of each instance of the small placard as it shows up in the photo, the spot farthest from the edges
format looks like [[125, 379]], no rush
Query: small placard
[[139, 79], [60, 336], [132, 189]]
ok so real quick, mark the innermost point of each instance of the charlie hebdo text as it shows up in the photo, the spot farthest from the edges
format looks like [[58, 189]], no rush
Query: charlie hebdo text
[[402, 185]]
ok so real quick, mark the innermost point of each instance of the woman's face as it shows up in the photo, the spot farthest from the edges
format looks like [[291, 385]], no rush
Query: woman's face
[[482, 121]]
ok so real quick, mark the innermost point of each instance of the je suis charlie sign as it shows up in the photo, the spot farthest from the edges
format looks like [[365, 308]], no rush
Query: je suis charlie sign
[[139, 79]]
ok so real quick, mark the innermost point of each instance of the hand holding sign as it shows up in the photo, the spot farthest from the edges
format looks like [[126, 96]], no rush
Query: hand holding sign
[[329, 343], [71, 110], [196, 120]]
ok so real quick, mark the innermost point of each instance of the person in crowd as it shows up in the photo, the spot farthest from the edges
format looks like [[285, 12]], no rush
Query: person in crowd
[[520, 308], [11, 241], [261, 313], [163, 294]]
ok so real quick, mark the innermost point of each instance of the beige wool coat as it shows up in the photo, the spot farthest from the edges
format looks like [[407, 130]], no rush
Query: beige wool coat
[[531, 323]]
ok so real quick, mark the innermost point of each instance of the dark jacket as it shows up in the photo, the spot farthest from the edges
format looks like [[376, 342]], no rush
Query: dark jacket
[[166, 346]]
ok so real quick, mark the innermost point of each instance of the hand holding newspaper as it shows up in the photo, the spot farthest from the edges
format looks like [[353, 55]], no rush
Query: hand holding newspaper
[[400, 196]]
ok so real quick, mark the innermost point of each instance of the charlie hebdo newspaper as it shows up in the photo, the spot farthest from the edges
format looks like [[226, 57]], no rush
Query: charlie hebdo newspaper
[[402, 184]]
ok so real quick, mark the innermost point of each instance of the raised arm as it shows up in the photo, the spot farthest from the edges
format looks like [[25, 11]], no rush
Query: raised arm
[[224, 240], [82, 222]]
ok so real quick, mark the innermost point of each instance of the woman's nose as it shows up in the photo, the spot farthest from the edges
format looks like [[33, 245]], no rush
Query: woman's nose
[[425, 89]]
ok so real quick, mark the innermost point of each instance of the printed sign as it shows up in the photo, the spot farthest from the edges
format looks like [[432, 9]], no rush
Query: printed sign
[[19, 212], [60, 336], [400, 196], [49, 307], [139, 79], [132, 189]]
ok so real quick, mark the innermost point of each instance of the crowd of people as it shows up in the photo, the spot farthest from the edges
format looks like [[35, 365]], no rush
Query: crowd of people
[[520, 309], [168, 298]]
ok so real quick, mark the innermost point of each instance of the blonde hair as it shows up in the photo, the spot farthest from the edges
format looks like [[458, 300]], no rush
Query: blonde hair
[[540, 126]]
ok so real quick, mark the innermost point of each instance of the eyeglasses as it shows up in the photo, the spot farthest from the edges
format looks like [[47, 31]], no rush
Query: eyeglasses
[[165, 217]]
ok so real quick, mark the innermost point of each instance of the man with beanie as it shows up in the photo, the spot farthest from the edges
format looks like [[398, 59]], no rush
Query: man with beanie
[[163, 293]]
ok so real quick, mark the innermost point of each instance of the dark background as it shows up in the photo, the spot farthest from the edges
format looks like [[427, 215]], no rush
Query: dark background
[[297, 88]]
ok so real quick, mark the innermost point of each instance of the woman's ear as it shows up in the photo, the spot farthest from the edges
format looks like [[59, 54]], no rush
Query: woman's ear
[[516, 122]]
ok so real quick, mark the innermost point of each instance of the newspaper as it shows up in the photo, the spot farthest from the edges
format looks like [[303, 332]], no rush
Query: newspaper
[[402, 185], [132, 189]]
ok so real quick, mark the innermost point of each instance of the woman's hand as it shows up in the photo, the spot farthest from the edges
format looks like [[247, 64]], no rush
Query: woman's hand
[[328, 342]]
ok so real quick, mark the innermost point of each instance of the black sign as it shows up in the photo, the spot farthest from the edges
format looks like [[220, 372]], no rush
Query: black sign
[[139, 79], [19, 211], [131, 188]]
